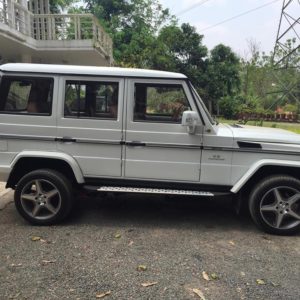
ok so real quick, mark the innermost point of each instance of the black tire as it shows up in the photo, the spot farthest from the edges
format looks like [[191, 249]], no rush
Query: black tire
[[260, 204], [47, 178]]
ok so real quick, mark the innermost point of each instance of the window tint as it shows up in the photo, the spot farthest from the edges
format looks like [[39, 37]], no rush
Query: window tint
[[26, 95], [159, 103], [91, 99]]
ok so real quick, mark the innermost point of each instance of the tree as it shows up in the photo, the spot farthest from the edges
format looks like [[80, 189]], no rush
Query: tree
[[222, 75], [57, 6], [184, 51], [145, 35], [134, 26]]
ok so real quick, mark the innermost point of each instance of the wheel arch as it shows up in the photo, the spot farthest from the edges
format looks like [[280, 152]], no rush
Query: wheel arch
[[28, 161], [266, 168]]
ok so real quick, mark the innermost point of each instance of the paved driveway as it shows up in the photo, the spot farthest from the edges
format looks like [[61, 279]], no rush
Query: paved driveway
[[114, 245]]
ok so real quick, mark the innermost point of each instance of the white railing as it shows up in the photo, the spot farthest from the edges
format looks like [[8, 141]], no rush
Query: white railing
[[57, 27], [71, 27], [16, 16]]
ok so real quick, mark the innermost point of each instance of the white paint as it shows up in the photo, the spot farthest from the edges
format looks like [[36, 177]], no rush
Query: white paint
[[170, 154]]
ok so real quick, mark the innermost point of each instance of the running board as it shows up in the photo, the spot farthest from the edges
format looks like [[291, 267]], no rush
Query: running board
[[120, 189]]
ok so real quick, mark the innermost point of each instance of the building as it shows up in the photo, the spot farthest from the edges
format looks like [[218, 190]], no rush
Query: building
[[30, 33]]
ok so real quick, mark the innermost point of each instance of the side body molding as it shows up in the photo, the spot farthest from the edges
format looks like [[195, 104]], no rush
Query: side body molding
[[52, 155], [255, 167]]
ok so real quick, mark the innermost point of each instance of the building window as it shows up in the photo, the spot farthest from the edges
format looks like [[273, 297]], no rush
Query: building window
[[163, 103], [26, 95], [91, 99]]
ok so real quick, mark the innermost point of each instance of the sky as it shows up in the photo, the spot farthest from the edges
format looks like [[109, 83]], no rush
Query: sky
[[260, 26]]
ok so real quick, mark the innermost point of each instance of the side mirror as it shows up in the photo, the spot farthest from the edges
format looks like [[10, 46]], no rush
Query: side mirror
[[190, 119]]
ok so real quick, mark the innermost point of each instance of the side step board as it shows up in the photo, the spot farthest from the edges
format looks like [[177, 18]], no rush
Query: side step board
[[120, 189]]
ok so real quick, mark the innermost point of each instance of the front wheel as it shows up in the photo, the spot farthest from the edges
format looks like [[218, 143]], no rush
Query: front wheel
[[44, 197], [275, 204]]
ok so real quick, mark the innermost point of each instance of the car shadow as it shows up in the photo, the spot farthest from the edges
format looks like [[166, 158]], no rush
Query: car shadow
[[141, 210]]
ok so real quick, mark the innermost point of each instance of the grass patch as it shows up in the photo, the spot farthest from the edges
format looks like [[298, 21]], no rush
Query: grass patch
[[294, 127]]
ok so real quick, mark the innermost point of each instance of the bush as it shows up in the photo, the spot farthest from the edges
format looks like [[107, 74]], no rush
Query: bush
[[230, 106]]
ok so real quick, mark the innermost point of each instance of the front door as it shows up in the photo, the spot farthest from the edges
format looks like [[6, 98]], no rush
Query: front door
[[90, 124], [157, 146]]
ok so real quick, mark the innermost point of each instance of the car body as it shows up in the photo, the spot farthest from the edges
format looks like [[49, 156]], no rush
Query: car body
[[132, 130]]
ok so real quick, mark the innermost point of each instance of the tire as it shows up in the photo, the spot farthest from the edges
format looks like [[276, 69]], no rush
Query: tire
[[274, 205], [44, 197]]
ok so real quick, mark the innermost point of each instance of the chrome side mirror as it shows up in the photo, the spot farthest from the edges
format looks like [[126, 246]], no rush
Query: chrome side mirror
[[190, 119]]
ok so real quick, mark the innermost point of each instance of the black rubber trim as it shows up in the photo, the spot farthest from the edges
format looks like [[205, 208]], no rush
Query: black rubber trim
[[250, 150], [135, 144], [194, 99], [65, 140], [249, 145], [26, 137]]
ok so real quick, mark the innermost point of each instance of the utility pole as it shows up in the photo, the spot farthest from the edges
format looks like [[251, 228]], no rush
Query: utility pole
[[289, 28], [286, 54]]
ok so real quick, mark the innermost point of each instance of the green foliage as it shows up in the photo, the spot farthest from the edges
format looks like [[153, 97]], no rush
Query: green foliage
[[134, 26], [230, 106], [145, 35], [272, 87], [222, 74], [57, 6], [182, 51], [290, 108]]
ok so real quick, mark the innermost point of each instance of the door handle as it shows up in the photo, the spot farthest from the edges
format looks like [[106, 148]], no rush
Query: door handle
[[65, 139], [135, 144]]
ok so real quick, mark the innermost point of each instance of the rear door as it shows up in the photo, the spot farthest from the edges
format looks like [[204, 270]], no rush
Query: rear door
[[90, 123], [157, 146], [27, 114]]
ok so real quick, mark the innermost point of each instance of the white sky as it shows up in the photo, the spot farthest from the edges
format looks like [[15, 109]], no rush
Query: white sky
[[260, 25]]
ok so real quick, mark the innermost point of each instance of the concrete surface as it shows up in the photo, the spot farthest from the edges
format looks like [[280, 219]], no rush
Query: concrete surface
[[2, 186], [98, 250], [4, 200]]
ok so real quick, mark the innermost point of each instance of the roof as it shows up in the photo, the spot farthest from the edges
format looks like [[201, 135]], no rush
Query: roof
[[87, 70]]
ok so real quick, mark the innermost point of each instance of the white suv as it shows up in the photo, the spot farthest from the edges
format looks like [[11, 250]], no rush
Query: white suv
[[140, 131]]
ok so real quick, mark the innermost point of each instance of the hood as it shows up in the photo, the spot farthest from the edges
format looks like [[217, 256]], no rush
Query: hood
[[264, 134], [265, 138]]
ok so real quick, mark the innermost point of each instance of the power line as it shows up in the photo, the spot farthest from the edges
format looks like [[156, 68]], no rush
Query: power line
[[191, 7], [239, 15]]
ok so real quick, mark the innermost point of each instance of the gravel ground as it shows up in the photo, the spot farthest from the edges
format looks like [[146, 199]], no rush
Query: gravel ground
[[100, 247]]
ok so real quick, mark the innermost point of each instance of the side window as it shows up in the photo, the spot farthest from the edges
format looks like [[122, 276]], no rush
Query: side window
[[26, 95], [91, 99], [159, 103]]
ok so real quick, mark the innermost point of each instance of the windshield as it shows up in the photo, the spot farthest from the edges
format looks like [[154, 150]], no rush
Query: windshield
[[199, 100]]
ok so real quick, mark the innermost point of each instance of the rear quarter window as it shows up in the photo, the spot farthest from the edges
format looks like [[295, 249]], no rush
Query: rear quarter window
[[26, 95]]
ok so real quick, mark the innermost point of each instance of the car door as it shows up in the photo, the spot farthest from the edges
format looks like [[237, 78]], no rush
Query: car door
[[90, 123], [157, 146], [27, 114]]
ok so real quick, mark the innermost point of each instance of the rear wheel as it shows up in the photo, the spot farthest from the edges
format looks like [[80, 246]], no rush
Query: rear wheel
[[275, 204], [44, 197]]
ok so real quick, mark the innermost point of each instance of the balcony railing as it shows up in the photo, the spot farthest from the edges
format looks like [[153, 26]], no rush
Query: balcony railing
[[16, 16], [71, 27], [55, 27]]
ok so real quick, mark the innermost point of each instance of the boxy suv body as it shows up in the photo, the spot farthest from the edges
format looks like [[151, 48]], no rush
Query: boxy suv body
[[128, 130]]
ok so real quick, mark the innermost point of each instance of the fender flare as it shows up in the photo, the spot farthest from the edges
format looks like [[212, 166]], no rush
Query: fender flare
[[259, 164], [51, 155]]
